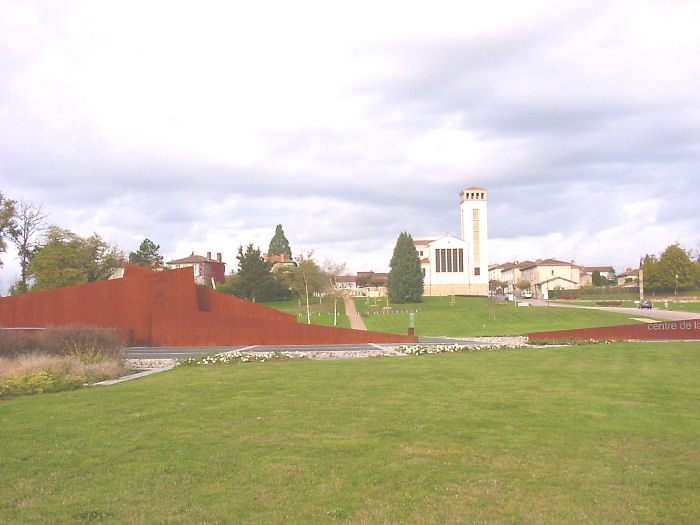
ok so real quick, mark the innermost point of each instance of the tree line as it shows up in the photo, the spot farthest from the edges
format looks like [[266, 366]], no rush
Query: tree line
[[53, 257], [675, 269]]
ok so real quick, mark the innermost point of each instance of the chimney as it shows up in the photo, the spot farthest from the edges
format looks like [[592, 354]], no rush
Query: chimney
[[218, 257], [208, 255]]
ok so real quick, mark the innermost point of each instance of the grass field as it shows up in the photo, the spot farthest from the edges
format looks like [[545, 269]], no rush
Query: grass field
[[321, 312], [587, 434], [471, 316]]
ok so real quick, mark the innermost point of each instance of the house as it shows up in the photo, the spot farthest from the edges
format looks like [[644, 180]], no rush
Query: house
[[459, 266], [206, 270], [278, 261], [550, 274], [509, 273], [606, 272], [629, 277], [369, 284]]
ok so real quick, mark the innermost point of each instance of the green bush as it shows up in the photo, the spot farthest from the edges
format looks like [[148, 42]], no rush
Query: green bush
[[38, 383]]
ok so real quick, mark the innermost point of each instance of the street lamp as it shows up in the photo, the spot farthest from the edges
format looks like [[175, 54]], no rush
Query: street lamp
[[675, 294]]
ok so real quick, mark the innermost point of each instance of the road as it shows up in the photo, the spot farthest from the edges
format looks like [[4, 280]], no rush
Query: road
[[172, 352], [632, 312]]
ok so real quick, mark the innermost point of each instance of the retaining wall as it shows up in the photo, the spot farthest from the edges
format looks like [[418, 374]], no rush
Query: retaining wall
[[167, 309]]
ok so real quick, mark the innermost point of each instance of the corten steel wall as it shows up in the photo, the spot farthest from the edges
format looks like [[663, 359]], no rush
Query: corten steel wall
[[125, 303], [181, 328], [219, 303], [659, 331], [167, 308]]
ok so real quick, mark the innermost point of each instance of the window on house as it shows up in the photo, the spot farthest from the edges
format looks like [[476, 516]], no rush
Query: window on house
[[477, 271]]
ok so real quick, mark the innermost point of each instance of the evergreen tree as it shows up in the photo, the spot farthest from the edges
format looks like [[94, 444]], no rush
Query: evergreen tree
[[254, 281], [405, 281], [147, 256], [279, 244]]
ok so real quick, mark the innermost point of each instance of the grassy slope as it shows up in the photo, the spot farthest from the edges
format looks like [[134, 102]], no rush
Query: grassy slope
[[472, 316], [590, 434], [321, 313]]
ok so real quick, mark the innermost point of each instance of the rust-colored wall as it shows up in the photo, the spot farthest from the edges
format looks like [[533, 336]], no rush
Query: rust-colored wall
[[167, 309], [219, 303], [659, 331], [183, 328]]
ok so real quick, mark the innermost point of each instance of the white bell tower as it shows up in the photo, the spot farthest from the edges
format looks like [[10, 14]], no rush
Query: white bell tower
[[473, 206]]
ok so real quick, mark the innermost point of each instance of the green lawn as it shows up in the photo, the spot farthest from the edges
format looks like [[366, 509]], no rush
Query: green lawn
[[471, 316], [586, 434], [321, 311]]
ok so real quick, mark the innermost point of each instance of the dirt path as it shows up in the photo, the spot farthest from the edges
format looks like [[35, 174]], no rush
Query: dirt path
[[356, 322]]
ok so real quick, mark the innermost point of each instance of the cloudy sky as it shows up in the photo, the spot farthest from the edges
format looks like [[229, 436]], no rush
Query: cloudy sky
[[202, 125]]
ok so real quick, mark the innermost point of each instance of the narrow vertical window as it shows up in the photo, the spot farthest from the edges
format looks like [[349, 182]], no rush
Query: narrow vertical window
[[461, 260], [449, 259]]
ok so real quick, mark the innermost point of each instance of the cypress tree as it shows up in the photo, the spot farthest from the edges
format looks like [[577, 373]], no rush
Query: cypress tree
[[405, 281], [279, 244]]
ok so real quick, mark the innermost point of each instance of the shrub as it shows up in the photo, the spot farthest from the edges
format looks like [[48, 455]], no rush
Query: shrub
[[609, 302], [88, 343], [39, 382], [18, 342]]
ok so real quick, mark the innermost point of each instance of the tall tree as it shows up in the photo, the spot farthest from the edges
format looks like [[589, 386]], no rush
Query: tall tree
[[29, 224], [254, 281], [147, 256], [279, 245], [405, 281], [66, 259], [660, 273], [7, 221]]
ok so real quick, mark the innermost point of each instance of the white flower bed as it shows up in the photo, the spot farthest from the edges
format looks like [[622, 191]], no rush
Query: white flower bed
[[234, 356], [448, 349]]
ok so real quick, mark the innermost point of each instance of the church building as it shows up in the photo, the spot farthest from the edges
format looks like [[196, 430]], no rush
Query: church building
[[453, 266]]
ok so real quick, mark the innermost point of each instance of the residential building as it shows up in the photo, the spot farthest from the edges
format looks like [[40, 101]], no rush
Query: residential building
[[454, 266], [368, 284], [206, 270], [278, 261], [550, 274], [606, 272], [629, 277]]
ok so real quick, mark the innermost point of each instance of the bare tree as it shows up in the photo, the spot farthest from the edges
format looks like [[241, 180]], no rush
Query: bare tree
[[332, 270], [305, 279], [29, 225]]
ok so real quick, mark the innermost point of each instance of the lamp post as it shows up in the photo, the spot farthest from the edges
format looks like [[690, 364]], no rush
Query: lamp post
[[675, 293]]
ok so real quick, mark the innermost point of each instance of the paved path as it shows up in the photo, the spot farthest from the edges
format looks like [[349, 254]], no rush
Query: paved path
[[356, 322]]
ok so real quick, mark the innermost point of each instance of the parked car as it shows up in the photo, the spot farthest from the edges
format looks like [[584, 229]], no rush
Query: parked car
[[646, 303], [526, 294]]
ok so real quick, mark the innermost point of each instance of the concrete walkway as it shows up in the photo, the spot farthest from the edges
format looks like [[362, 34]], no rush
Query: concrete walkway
[[356, 322]]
